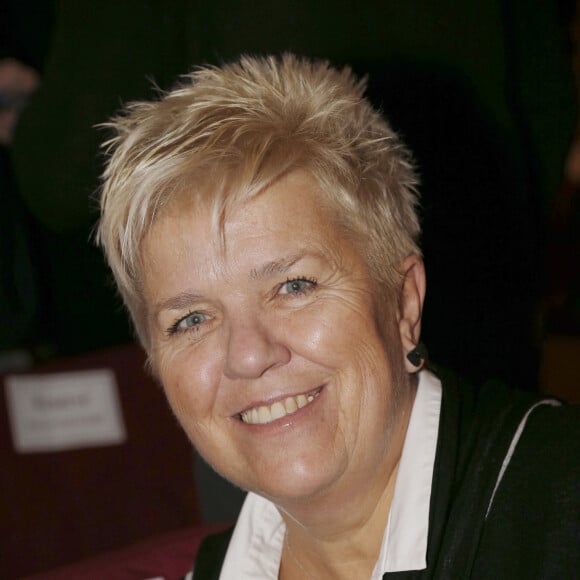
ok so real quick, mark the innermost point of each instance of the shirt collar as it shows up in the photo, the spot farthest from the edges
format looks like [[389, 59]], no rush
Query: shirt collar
[[405, 542], [255, 549]]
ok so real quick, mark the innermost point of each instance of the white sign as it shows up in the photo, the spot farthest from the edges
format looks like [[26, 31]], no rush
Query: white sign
[[56, 412]]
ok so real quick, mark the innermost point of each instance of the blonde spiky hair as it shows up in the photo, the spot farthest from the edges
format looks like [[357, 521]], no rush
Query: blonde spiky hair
[[226, 133]]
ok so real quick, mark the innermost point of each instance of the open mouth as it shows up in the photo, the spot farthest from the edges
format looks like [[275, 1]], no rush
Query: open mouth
[[265, 414]]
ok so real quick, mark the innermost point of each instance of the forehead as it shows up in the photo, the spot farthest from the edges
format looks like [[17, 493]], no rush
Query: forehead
[[291, 212]]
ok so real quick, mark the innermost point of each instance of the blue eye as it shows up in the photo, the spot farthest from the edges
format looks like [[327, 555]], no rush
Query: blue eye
[[191, 321], [297, 286]]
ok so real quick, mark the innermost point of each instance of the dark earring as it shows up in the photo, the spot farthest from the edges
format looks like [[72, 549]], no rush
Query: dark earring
[[417, 355]]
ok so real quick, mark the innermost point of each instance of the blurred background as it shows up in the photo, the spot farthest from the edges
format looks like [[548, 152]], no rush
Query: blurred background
[[483, 92]]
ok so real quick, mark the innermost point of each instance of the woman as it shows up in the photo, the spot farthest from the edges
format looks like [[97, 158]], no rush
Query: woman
[[260, 223]]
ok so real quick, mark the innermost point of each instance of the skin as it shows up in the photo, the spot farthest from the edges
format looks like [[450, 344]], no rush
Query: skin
[[287, 307]]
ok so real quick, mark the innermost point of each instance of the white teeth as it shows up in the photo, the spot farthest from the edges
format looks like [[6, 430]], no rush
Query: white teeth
[[290, 405], [301, 401], [277, 410], [263, 415]]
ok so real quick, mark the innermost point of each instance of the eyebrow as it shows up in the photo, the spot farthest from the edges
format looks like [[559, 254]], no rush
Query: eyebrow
[[276, 266], [178, 302]]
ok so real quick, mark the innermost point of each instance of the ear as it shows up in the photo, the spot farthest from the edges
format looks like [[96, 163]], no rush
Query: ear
[[411, 298]]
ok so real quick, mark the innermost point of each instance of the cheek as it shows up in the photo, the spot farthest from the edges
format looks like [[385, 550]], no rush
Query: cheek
[[337, 332], [190, 379], [312, 338]]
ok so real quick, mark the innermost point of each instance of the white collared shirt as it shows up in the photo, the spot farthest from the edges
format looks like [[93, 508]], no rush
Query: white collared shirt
[[255, 549]]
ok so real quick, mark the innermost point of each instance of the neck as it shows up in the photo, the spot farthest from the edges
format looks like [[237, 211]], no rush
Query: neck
[[349, 549]]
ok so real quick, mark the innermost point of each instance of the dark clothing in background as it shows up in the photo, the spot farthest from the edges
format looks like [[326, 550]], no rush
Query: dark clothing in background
[[18, 288], [25, 28]]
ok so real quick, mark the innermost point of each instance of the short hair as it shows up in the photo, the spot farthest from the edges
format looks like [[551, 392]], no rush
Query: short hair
[[226, 133]]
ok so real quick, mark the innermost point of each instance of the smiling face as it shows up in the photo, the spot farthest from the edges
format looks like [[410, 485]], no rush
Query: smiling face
[[277, 354]]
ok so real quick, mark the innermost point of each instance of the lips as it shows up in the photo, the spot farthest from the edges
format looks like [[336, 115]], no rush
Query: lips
[[265, 414]]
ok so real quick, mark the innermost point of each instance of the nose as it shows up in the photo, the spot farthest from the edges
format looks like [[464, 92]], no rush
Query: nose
[[252, 349]]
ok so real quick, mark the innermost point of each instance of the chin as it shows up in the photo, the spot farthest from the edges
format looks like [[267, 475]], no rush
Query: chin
[[299, 482]]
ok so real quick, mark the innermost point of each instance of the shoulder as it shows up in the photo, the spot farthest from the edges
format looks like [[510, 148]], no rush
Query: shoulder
[[534, 522], [495, 411], [516, 482], [522, 435], [546, 461]]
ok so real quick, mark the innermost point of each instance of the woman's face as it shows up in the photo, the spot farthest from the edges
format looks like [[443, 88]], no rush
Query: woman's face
[[278, 356]]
